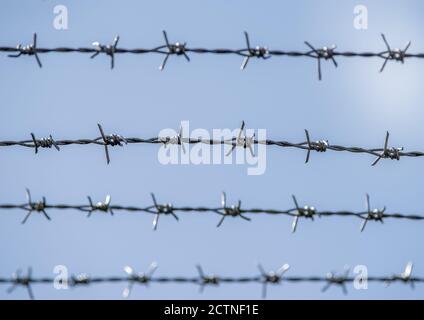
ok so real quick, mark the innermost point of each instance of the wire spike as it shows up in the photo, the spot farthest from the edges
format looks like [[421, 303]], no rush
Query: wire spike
[[388, 153], [376, 214], [142, 278], [205, 280], [30, 50], [166, 209], [110, 140], [39, 207], [393, 54], [319, 146], [109, 50], [44, 143], [272, 277], [405, 276], [175, 140], [232, 211], [173, 49], [242, 141], [306, 212], [100, 206], [339, 280], [25, 281], [325, 53], [258, 52]]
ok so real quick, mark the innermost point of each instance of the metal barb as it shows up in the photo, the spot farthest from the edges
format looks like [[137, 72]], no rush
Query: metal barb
[[323, 53], [205, 280], [375, 214], [319, 146], [307, 212], [242, 141], [177, 48], [233, 211], [44, 143], [388, 153], [178, 140], [100, 206], [272, 277], [258, 52], [142, 278], [39, 207], [111, 140], [395, 54], [29, 50], [162, 209], [339, 280], [405, 276], [24, 281], [109, 50], [80, 279]]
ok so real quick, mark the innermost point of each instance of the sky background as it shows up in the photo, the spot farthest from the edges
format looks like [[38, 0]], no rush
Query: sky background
[[353, 105]]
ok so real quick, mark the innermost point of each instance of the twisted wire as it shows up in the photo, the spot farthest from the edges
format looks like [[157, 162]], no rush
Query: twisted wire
[[180, 49], [202, 279], [224, 211], [111, 140]]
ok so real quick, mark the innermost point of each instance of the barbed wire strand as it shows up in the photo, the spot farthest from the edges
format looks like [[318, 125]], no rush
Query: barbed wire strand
[[202, 280], [180, 49], [240, 141], [224, 211]]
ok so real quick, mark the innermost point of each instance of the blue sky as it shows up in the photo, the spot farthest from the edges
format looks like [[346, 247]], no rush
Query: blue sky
[[353, 105]]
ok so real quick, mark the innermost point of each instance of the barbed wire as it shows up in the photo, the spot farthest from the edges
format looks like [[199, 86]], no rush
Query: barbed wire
[[308, 212], [202, 279], [240, 141], [225, 210], [180, 49]]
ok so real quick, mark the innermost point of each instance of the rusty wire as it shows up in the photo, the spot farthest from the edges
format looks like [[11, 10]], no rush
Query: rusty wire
[[224, 211], [264, 278], [249, 52], [241, 141]]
